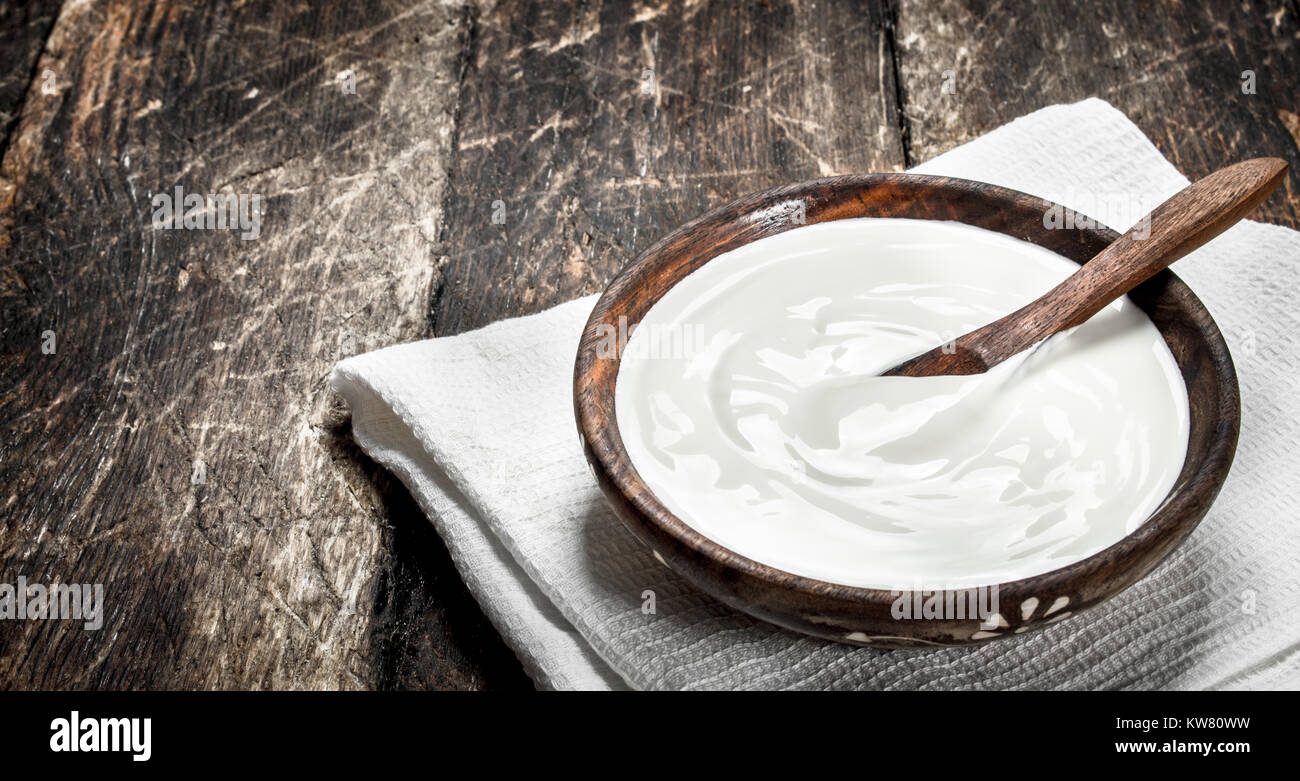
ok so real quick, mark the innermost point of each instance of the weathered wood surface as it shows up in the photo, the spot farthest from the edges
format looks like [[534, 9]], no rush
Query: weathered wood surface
[[588, 131], [23, 29], [595, 130], [1175, 68], [294, 562]]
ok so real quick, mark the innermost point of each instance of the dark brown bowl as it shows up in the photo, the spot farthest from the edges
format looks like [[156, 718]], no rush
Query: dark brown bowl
[[863, 615]]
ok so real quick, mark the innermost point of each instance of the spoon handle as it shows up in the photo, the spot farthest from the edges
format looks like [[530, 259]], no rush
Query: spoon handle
[[1195, 215]]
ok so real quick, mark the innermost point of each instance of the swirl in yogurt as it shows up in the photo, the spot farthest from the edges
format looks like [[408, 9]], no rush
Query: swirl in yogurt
[[773, 434]]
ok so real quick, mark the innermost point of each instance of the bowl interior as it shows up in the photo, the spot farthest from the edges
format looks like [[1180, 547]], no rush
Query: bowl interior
[[1194, 340]]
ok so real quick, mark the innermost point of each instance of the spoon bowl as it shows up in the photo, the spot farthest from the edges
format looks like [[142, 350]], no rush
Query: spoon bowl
[[864, 616]]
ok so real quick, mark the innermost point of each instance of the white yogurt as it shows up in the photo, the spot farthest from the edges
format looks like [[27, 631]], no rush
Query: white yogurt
[[749, 401]]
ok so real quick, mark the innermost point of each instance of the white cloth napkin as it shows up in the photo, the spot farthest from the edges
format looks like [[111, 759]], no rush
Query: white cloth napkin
[[480, 428]]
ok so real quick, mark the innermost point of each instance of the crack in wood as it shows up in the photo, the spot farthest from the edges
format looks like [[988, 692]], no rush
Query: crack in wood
[[900, 91]]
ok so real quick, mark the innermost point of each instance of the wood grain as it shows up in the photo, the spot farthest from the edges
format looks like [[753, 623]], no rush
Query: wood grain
[[1174, 68], [23, 30], [299, 563], [294, 562], [597, 128]]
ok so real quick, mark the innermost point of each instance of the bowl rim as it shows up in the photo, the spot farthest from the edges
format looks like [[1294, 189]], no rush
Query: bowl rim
[[1179, 512]]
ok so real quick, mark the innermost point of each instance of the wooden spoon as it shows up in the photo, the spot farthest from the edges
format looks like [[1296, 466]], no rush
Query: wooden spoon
[[1195, 215]]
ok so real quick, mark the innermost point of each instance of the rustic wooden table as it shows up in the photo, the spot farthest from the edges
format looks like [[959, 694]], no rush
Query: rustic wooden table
[[165, 425]]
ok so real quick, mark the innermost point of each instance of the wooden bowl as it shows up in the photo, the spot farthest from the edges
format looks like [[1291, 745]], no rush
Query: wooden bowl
[[863, 615]]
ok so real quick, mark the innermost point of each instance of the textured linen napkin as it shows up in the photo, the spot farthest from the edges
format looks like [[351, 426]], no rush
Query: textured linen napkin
[[480, 428]]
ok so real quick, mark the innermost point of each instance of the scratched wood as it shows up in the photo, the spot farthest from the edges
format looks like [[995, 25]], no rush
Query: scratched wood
[[590, 130], [293, 562], [1175, 68], [586, 130]]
